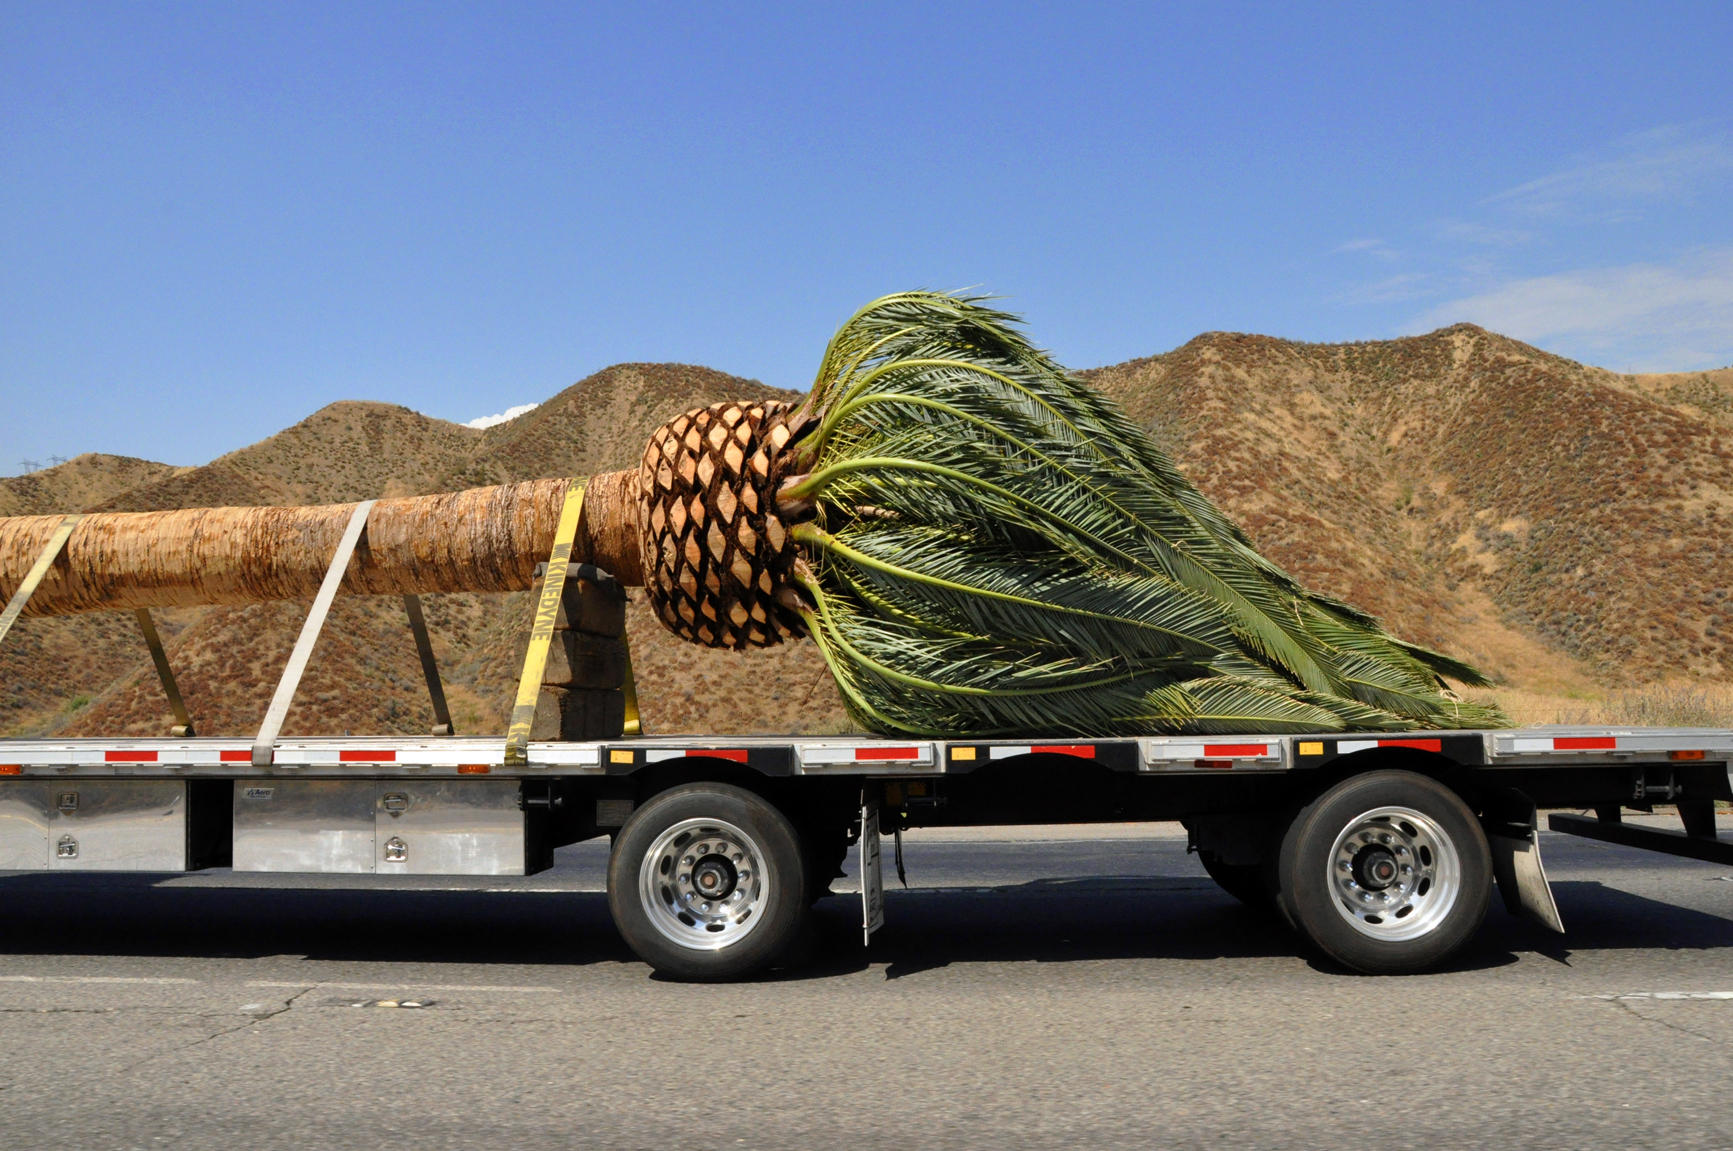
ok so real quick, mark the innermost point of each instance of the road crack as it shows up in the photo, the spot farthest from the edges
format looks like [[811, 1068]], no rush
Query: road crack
[[253, 1020], [1635, 1014]]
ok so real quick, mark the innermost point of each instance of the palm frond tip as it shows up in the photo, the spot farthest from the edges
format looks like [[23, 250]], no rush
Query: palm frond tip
[[997, 550]]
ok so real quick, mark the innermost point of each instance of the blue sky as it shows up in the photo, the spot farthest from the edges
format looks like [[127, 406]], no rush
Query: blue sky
[[215, 219]]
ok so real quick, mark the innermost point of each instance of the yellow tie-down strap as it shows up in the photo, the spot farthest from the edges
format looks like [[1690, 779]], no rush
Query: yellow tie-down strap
[[529, 686], [634, 723]]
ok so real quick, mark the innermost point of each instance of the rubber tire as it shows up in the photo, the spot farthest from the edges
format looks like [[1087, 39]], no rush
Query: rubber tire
[[1302, 868], [1244, 881], [785, 874]]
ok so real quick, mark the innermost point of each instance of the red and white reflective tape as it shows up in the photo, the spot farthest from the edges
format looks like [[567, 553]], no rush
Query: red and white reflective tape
[[827, 754], [658, 754], [1080, 750], [410, 756], [167, 757], [562, 755], [1163, 750], [1565, 743], [1350, 746], [311, 756]]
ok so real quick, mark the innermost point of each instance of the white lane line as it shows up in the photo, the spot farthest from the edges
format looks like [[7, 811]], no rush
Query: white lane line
[[397, 986], [90, 979], [1662, 995]]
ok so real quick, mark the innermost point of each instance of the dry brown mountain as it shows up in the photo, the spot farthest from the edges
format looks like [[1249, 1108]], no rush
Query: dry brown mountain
[[1555, 522], [599, 424], [82, 482], [1480, 494], [345, 451], [1700, 395]]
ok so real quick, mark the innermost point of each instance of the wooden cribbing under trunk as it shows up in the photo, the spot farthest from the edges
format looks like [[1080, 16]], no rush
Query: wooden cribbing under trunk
[[581, 696]]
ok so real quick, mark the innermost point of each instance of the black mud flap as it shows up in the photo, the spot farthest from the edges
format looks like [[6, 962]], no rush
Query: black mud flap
[[1512, 832]]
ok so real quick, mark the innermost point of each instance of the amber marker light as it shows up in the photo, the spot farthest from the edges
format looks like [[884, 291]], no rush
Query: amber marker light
[[11, 769], [473, 769], [1684, 755]]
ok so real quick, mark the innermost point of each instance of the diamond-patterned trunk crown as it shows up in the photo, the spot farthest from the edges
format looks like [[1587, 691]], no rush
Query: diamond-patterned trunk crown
[[714, 550]]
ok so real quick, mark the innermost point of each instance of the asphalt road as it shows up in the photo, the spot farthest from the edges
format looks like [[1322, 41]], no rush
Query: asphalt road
[[1035, 989]]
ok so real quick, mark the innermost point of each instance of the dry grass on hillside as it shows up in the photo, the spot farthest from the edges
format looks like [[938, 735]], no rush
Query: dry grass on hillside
[[50, 669], [1673, 704], [343, 452], [1699, 395], [80, 483], [364, 676], [1428, 479]]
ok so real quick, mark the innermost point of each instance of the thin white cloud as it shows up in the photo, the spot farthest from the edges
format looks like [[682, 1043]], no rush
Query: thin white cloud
[[1673, 162], [1651, 317], [502, 417], [1470, 232], [1371, 247], [1405, 286]]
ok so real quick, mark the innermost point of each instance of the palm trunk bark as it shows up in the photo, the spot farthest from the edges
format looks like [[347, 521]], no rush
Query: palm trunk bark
[[482, 540]]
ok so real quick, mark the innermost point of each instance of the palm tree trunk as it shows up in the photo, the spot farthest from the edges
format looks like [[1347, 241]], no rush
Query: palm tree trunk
[[482, 540]]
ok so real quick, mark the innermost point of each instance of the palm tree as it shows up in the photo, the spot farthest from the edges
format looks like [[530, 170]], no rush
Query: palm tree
[[978, 542]]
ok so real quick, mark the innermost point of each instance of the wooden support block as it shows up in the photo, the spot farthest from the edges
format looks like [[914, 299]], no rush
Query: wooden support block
[[592, 608], [576, 659], [565, 713]]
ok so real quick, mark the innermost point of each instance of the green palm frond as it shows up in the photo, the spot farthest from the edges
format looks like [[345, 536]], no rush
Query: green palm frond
[[997, 550]]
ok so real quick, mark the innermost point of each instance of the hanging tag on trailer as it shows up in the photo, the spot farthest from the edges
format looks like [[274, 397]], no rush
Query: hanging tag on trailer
[[872, 880]]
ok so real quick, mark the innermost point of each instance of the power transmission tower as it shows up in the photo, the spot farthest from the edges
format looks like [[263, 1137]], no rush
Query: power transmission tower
[[56, 461], [30, 465]]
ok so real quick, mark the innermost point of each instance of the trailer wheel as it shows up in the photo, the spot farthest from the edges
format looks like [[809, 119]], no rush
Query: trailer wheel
[[1388, 872], [1243, 881], [706, 882]]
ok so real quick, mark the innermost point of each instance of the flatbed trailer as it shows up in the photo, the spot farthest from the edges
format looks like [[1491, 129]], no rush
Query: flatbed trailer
[[1380, 849]]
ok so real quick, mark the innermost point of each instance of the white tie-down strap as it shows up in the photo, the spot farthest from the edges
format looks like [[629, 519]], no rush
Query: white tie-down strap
[[285, 694]]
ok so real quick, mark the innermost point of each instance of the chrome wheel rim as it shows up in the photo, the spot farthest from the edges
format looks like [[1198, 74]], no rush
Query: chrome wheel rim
[[1394, 874], [702, 884]]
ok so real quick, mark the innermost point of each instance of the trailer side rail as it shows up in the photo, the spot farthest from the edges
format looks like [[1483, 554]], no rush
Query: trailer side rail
[[855, 755]]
